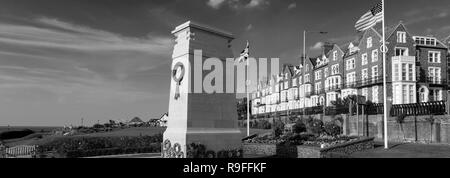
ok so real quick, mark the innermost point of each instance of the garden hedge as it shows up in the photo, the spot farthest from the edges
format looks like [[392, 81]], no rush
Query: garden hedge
[[98, 146]]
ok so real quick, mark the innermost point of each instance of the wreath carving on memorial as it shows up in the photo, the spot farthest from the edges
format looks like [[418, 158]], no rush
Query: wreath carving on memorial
[[197, 150], [178, 75], [170, 151]]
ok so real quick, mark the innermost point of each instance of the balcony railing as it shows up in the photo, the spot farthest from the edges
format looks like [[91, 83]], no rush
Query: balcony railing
[[435, 81], [417, 109], [318, 92], [366, 82], [334, 88], [351, 85]]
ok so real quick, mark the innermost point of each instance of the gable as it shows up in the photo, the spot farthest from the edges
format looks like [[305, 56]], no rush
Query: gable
[[400, 27], [376, 37]]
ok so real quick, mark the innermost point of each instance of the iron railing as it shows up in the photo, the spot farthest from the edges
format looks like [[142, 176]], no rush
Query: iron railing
[[419, 109]]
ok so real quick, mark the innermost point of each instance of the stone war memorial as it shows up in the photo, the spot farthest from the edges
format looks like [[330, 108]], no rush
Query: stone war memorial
[[200, 121]]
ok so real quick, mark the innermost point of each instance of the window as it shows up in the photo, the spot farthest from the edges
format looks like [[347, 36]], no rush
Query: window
[[374, 73], [401, 37], [326, 72], [318, 75], [404, 72], [364, 75], [365, 93], [434, 75], [401, 51], [405, 93], [335, 53], [375, 94], [426, 41], [307, 78], [351, 77], [294, 82], [411, 94], [306, 67], [335, 69], [436, 94], [364, 59], [318, 88], [369, 42], [396, 72], [375, 55], [350, 64], [410, 72], [434, 56]]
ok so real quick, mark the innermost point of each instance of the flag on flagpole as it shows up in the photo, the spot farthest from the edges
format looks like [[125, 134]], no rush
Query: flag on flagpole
[[371, 18], [244, 54]]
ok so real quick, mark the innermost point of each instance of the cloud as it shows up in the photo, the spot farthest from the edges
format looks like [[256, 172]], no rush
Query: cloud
[[76, 63], [292, 5], [249, 27], [415, 16], [215, 3], [317, 46], [238, 4]]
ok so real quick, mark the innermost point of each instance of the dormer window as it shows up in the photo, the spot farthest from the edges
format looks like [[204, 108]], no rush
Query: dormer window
[[429, 41], [334, 55], [369, 42], [401, 37]]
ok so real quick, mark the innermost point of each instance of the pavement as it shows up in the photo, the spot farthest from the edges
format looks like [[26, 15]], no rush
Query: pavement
[[406, 150], [141, 155]]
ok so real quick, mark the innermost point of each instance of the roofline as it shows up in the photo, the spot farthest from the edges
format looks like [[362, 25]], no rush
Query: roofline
[[443, 44]]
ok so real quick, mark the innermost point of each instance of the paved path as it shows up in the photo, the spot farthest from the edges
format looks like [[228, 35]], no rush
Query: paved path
[[406, 150], [142, 155]]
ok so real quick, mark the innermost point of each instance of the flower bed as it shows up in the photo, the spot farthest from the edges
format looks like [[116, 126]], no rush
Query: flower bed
[[308, 138], [310, 149]]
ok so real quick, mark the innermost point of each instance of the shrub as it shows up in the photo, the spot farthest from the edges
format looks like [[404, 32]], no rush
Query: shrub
[[314, 126], [97, 146], [332, 129], [299, 127], [278, 128], [266, 124], [298, 139]]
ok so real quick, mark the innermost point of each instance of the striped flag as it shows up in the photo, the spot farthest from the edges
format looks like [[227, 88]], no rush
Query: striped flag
[[371, 18], [244, 54]]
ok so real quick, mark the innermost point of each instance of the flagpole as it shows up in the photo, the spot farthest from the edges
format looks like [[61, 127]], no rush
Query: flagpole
[[248, 100], [386, 146]]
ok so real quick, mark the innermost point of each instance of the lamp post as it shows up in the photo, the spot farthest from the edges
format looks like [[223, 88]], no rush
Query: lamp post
[[304, 41], [304, 45]]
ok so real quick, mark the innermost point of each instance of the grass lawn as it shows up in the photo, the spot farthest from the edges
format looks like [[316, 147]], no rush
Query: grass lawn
[[406, 150]]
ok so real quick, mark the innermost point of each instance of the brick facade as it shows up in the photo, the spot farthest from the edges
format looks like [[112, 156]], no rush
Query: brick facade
[[416, 71]]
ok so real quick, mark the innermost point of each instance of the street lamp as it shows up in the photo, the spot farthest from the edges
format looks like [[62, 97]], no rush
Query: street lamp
[[304, 41], [304, 46]]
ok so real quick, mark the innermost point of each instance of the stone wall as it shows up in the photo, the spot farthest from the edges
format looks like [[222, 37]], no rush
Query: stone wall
[[301, 151], [414, 129], [259, 149]]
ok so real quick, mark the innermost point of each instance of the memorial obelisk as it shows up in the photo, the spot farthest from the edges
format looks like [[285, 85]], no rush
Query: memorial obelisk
[[209, 119]]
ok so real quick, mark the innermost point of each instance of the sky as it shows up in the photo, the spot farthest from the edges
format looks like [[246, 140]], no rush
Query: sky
[[63, 60]]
